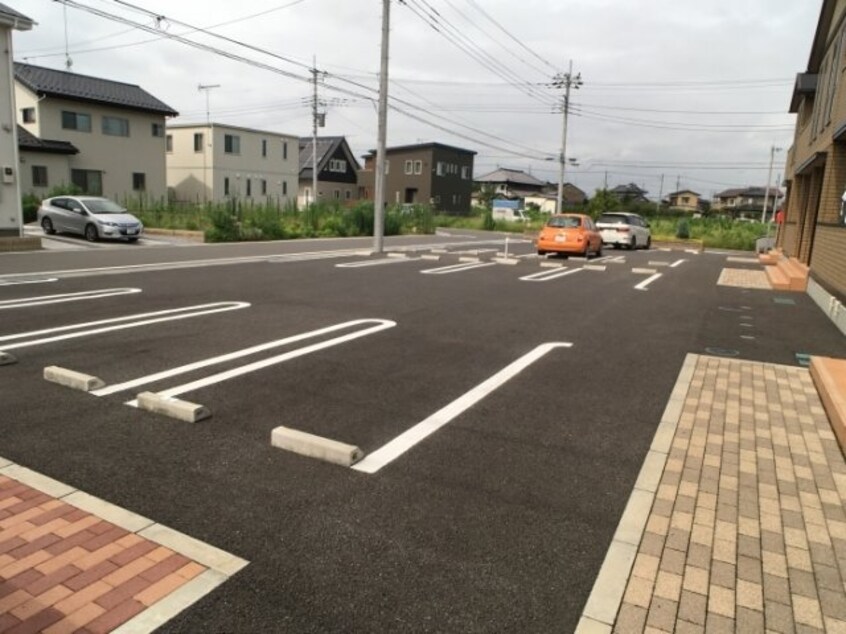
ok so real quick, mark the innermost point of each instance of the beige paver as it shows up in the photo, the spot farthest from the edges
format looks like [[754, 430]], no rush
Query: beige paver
[[747, 530]]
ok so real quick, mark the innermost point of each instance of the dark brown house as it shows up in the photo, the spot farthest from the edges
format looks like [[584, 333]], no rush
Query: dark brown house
[[431, 173]]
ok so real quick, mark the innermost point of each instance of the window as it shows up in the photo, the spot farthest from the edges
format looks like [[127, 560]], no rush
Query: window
[[263, 187], [226, 186], [418, 167], [158, 129], [348, 194], [284, 188], [89, 181], [264, 147], [231, 144], [39, 176], [198, 141], [465, 172], [139, 181], [337, 194], [115, 126], [169, 143], [28, 115], [387, 167], [284, 150], [440, 168], [249, 187], [338, 165], [76, 121], [409, 167]]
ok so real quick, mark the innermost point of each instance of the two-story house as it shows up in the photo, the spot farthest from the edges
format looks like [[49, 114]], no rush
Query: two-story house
[[685, 200], [430, 173], [747, 201], [216, 162], [117, 128], [517, 184], [337, 170]]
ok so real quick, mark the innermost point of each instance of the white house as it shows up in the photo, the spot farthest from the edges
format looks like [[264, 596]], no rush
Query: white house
[[216, 162], [11, 221]]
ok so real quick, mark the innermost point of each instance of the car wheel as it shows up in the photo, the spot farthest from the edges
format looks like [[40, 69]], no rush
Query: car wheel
[[616, 246], [47, 226], [133, 239], [633, 244], [541, 253], [599, 250], [649, 242], [91, 233]]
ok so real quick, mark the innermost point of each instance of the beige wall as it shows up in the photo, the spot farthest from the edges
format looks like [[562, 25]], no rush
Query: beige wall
[[58, 171], [10, 203], [344, 193], [117, 157], [186, 168]]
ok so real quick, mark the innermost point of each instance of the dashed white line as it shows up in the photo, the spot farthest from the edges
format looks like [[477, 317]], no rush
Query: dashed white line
[[642, 286], [18, 282], [546, 276], [677, 263], [379, 262], [44, 300], [457, 268]]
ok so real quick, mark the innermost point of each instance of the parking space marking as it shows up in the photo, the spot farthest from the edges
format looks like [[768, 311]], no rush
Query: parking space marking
[[197, 365], [146, 319], [379, 325], [379, 262], [457, 268], [642, 286], [677, 263], [18, 282], [44, 300], [422, 430], [546, 276]]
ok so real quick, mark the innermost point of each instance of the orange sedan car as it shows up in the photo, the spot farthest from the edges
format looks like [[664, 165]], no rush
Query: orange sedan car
[[570, 234]]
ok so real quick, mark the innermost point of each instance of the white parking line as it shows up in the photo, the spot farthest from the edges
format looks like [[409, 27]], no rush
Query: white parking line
[[642, 286], [154, 318], [44, 300], [422, 430], [380, 324], [457, 268], [546, 276], [16, 283], [197, 365], [379, 262], [677, 263]]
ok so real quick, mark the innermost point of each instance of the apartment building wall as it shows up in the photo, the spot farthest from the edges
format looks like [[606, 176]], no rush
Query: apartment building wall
[[232, 162], [815, 225], [128, 162]]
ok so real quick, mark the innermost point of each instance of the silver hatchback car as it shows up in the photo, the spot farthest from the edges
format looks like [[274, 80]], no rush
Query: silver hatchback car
[[90, 216]]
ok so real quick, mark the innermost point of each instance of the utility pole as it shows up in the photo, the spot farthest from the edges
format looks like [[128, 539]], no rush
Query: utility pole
[[773, 150], [568, 82], [206, 88], [381, 143], [317, 120], [678, 183], [660, 195]]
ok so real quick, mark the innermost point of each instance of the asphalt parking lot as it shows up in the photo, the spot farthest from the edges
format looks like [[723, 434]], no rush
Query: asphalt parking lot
[[498, 521]]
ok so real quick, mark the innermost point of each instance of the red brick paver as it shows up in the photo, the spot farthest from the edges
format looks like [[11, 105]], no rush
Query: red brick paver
[[63, 569]]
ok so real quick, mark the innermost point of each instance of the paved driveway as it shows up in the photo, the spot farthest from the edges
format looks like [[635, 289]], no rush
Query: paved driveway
[[497, 521]]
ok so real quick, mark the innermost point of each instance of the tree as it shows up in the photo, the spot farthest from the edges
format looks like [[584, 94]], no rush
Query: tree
[[602, 201]]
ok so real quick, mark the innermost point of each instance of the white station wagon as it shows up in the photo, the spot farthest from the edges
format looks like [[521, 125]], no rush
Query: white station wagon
[[624, 229]]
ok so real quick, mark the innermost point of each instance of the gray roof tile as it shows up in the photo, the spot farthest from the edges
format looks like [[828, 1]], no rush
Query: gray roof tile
[[30, 142], [59, 83]]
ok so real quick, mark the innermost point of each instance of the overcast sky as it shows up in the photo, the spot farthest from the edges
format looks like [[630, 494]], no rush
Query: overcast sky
[[696, 91]]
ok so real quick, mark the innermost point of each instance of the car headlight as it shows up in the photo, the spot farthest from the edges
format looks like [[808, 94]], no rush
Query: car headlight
[[108, 224]]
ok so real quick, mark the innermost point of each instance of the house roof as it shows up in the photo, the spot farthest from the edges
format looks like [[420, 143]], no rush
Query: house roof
[[31, 143], [12, 17], [326, 147], [505, 175], [749, 192], [421, 146], [59, 83], [631, 188], [683, 191]]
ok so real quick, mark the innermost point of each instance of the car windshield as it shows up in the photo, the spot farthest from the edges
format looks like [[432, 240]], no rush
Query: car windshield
[[613, 219], [103, 206], [564, 222]]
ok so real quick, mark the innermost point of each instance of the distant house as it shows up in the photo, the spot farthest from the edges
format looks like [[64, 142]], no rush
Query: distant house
[[686, 200], [629, 193], [11, 221], [746, 200], [430, 173], [42, 159], [117, 129], [217, 162], [337, 170], [516, 184]]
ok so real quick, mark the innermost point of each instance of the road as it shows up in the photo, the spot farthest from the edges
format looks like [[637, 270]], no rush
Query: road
[[496, 521]]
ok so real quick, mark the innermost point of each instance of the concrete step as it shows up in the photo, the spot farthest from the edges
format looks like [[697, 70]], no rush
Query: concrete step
[[829, 377], [796, 272], [778, 278]]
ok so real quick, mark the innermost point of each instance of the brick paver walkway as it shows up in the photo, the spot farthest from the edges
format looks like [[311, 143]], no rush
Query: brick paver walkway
[[744, 278], [747, 531], [70, 562]]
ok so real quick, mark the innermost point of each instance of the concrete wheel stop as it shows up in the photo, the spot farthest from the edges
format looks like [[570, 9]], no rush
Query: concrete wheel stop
[[173, 407], [313, 446], [71, 379]]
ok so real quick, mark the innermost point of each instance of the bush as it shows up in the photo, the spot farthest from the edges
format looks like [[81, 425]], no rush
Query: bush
[[30, 204], [224, 227], [488, 222], [683, 230]]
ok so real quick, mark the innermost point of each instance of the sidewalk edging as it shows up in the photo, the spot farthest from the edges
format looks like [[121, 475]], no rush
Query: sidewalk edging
[[604, 602]]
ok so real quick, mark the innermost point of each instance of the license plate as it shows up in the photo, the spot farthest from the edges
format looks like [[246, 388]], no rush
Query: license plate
[[131, 232], [561, 238]]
